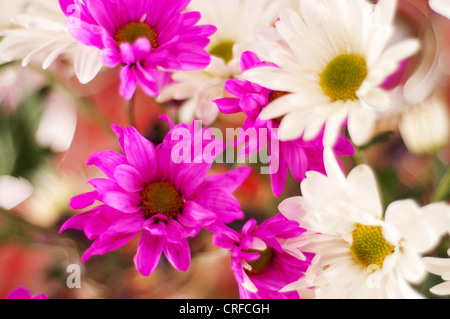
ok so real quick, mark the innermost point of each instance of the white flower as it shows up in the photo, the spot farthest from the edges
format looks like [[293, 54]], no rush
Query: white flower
[[13, 191], [441, 267], [236, 21], [39, 34], [425, 127], [332, 60], [361, 252], [441, 7]]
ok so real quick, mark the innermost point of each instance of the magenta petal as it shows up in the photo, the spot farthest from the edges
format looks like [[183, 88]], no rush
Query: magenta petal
[[83, 200], [146, 81], [230, 180], [128, 82], [116, 236], [107, 161], [228, 105], [195, 215], [190, 178], [103, 219], [226, 239], [217, 201], [248, 226], [124, 202], [156, 227], [141, 48], [296, 158], [175, 231], [78, 221], [178, 254], [248, 60], [19, 293], [148, 253], [278, 178], [127, 54], [129, 178], [140, 153]]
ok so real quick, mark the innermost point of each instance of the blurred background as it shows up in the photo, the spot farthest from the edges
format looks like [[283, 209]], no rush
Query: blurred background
[[50, 124]]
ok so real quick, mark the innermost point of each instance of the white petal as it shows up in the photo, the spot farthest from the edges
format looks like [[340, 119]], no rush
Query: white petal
[[87, 63], [441, 7], [274, 78], [13, 191], [360, 124]]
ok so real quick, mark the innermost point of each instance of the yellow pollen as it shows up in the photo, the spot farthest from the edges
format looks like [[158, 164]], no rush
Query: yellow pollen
[[369, 246], [135, 30], [161, 198], [260, 264], [223, 50], [343, 76]]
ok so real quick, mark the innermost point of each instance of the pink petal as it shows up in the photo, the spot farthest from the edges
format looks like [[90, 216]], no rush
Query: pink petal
[[249, 60], [78, 221], [19, 293], [190, 177], [229, 181], [195, 215], [107, 161], [116, 236], [140, 153], [129, 178], [148, 253], [178, 254], [228, 105], [128, 82], [103, 219], [83, 200], [124, 202]]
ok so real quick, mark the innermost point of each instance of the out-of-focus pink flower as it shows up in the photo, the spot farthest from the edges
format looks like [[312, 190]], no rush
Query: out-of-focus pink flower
[[265, 257], [23, 293]]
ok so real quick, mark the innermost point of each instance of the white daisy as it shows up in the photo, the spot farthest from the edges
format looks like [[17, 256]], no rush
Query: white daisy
[[39, 34], [236, 21], [441, 6], [425, 127], [441, 267], [361, 252], [332, 60]]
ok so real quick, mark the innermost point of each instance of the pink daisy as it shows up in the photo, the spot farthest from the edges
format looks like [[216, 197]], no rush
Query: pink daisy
[[146, 192], [297, 155], [141, 36], [23, 293], [266, 257]]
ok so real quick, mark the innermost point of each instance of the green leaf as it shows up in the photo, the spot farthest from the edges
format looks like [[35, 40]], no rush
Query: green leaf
[[443, 189], [383, 137]]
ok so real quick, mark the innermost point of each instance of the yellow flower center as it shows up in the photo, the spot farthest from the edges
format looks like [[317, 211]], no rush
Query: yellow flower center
[[343, 76], [161, 198], [369, 246], [260, 264], [135, 30], [223, 50]]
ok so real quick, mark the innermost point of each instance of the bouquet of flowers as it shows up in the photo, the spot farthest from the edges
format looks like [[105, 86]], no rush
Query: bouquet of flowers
[[252, 149]]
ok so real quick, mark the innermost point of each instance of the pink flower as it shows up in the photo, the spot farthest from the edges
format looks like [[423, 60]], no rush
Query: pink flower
[[265, 258], [297, 155], [23, 293], [141, 36], [146, 192]]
